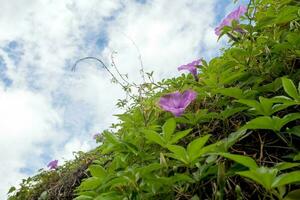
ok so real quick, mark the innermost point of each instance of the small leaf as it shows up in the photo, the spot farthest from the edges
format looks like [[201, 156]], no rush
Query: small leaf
[[195, 146], [131, 147], [262, 175], [264, 122], [84, 197], [286, 14], [286, 165], [296, 157], [249, 102], [11, 189], [149, 168], [195, 197], [288, 118], [108, 196], [154, 137], [177, 136], [266, 105], [295, 130], [290, 88], [43, 196], [231, 92], [97, 171], [243, 160], [90, 183], [231, 111], [116, 182], [169, 128], [179, 153], [255, 105], [293, 195], [226, 143], [288, 178]]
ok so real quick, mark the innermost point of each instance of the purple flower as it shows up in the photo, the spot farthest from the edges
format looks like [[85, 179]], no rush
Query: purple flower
[[234, 15], [53, 164], [95, 136], [191, 67], [176, 102]]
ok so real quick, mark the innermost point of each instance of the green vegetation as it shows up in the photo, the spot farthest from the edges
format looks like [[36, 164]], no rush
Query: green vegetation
[[240, 139]]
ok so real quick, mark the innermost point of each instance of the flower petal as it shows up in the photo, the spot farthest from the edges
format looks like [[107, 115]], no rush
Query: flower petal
[[191, 67], [234, 15], [176, 102]]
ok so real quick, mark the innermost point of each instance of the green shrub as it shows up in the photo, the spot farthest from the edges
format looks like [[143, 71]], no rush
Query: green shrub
[[239, 139]]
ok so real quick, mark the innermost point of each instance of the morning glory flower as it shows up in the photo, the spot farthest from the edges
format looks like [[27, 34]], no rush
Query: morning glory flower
[[176, 103], [95, 136], [191, 67], [53, 164], [234, 15]]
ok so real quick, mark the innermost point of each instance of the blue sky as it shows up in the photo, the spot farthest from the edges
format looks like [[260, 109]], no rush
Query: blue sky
[[47, 111]]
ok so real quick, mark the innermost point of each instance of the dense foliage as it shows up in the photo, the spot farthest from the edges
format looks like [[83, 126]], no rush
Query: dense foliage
[[239, 139]]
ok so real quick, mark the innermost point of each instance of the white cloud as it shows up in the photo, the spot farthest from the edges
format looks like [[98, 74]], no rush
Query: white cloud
[[27, 124], [48, 104], [168, 34]]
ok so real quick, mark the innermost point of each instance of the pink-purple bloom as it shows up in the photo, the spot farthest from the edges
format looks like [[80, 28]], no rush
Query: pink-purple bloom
[[95, 136], [177, 102], [191, 67], [234, 15], [53, 164]]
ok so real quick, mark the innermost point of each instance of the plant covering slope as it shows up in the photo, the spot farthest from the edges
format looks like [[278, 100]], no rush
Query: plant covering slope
[[231, 131]]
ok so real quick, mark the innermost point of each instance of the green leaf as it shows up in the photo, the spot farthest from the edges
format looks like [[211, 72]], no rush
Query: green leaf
[[231, 111], [286, 14], [195, 197], [264, 122], [296, 157], [274, 123], [88, 193], [84, 197], [108, 196], [266, 105], [195, 146], [226, 143], [243, 160], [170, 181], [177, 136], [181, 177], [116, 182], [131, 147], [90, 183], [293, 195], [231, 92], [149, 168], [278, 107], [290, 88], [288, 118], [169, 128], [286, 165], [97, 171], [234, 76], [43, 196], [11, 189], [212, 148], [294, 130], [262, 175], [288, 178], [179, 153], [255, 105], [154, 137], [271, 87]]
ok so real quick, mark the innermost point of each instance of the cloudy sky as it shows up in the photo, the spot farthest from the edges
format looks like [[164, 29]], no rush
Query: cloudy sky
[[46, 110]]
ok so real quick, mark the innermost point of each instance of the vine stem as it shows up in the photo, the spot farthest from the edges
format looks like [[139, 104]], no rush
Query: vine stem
[[100, 61]]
